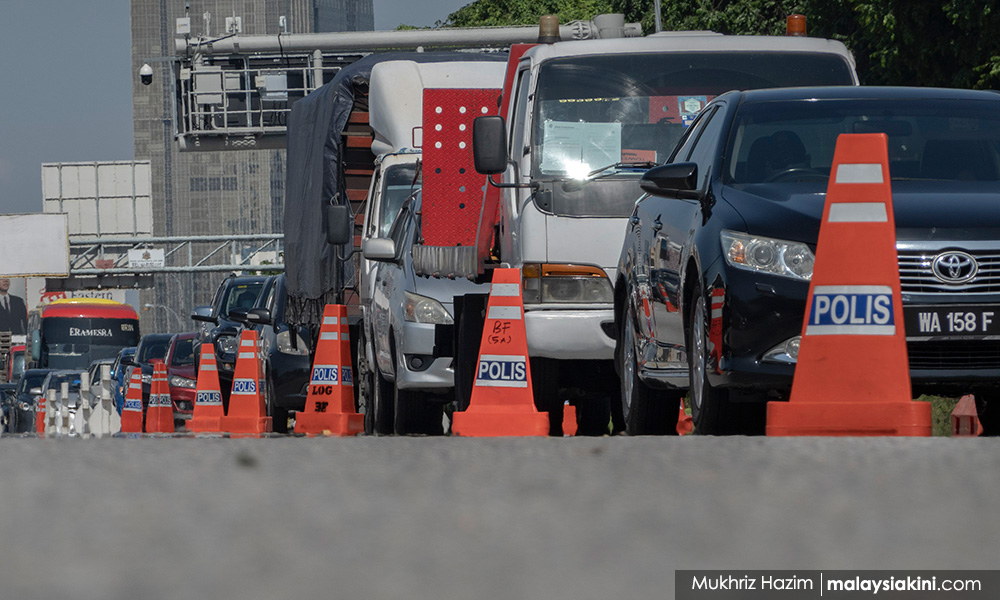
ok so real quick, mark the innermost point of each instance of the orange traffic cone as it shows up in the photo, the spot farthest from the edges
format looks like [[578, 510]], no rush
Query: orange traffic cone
[[330, 403], [40, 413], [569, 425], [965, 418], [501, 403], [852, 376], [247, 413], [132, 409], [208, 413], [685, 424], [160, 409]]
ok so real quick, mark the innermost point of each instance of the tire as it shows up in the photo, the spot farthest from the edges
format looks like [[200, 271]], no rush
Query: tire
[[366, 384], [279, 416], [712, 409], [988, 412], [644, 411], [415, 415], [382, 404], [545, 389]]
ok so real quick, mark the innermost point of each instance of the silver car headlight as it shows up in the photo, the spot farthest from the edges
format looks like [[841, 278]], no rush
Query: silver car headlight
[[182, 382], [768, 255], [421, 309]]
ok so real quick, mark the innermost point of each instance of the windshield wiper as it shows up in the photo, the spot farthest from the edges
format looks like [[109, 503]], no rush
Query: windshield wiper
[[574, 185]]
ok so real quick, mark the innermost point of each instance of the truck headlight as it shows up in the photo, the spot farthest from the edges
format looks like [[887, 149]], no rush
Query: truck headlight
[[421, 309], [182, 382], [768, 255], [565, 284]]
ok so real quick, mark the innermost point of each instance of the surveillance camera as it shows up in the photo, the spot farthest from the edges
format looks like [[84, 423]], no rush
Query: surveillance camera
[[146, 74]]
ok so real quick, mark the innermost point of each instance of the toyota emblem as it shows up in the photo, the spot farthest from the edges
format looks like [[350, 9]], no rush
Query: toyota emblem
[[954, 267]]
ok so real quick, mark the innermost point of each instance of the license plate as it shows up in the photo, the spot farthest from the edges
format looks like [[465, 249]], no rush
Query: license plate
[[951, 321]]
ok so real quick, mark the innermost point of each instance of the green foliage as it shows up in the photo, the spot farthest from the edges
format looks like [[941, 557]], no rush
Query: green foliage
[[944, 43], [940, 414]]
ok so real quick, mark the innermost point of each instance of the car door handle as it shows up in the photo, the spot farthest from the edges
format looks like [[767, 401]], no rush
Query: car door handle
[[657, 225]]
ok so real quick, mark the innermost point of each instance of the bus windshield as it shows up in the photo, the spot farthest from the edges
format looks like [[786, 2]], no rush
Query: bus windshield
[[74, 342]]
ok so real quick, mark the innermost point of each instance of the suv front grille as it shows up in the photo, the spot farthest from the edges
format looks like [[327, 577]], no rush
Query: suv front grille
[[961, 355], [916, 277]]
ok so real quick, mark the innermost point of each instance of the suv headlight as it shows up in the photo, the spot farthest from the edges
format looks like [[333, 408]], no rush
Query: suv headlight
[[226, 344], [284, 343], [768, 255], [183, 382], [421, 309], [565, 284]]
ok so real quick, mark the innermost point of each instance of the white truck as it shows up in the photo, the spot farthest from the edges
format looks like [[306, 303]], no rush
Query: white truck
[[585, 120]]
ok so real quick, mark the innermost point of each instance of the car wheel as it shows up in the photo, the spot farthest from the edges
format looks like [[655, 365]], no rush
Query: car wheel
[[645, 411], [712, 409], [365, 383], [988, 412], [382, 404], [416, 415], [279, 415]]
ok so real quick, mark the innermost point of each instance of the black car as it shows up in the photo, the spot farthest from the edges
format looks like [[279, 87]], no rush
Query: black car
[[716, 264], [21, 415], [152, 347], [287, 354], [222, 323]]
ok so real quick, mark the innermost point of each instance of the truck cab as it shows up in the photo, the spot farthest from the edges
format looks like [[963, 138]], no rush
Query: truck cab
[[585, 120]]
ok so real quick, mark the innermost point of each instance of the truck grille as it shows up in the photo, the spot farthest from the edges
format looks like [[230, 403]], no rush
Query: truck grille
[[915, 276], [954, 355]]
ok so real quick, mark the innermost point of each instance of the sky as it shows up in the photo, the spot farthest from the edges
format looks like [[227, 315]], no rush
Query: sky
[[65, 67]]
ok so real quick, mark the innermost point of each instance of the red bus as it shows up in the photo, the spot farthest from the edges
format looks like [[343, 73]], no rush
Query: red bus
[[71, 333]]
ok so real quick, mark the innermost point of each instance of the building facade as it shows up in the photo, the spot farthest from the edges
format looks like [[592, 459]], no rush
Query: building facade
[[214, 192]]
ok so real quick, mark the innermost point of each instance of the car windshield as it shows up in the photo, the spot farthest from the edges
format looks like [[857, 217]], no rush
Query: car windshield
[[399, 182], [30, 380], [55, 381], [785, 141], [152, 349], [183, 354], [243, 295], [595, 111]]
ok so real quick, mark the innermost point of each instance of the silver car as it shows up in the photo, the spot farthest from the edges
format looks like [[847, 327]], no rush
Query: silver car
[[410, 378]]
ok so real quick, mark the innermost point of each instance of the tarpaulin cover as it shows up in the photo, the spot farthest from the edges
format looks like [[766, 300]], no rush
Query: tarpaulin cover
[[315, 178]]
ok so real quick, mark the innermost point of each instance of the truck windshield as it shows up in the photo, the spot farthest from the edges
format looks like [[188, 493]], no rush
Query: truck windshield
[[594, 111]]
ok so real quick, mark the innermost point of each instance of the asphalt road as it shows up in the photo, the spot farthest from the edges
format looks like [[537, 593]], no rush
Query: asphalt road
[[416, 518]]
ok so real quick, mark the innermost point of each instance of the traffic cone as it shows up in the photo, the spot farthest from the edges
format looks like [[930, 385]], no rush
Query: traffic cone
[[569, 425], [501, 403], [41, 412], [247, 413], [159, 410], [685, 424], [852, 375], [330, 402], [965, 418], [132, 409], [208, 413]]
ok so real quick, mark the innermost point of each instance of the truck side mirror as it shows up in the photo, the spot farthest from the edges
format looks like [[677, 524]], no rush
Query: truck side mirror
[[380, 249], [339, 224], [36, 345], [489, 144]]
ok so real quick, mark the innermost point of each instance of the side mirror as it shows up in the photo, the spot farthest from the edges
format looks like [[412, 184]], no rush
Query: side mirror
[[339, 224], [35, 391], [380, 249], [258, 316], [36, 345], [204, 314], [674, 180], [489, 145], [128, 361], [238, 314]]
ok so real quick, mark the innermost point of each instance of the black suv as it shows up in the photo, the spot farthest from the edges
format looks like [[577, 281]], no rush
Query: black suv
[[234, 297]]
